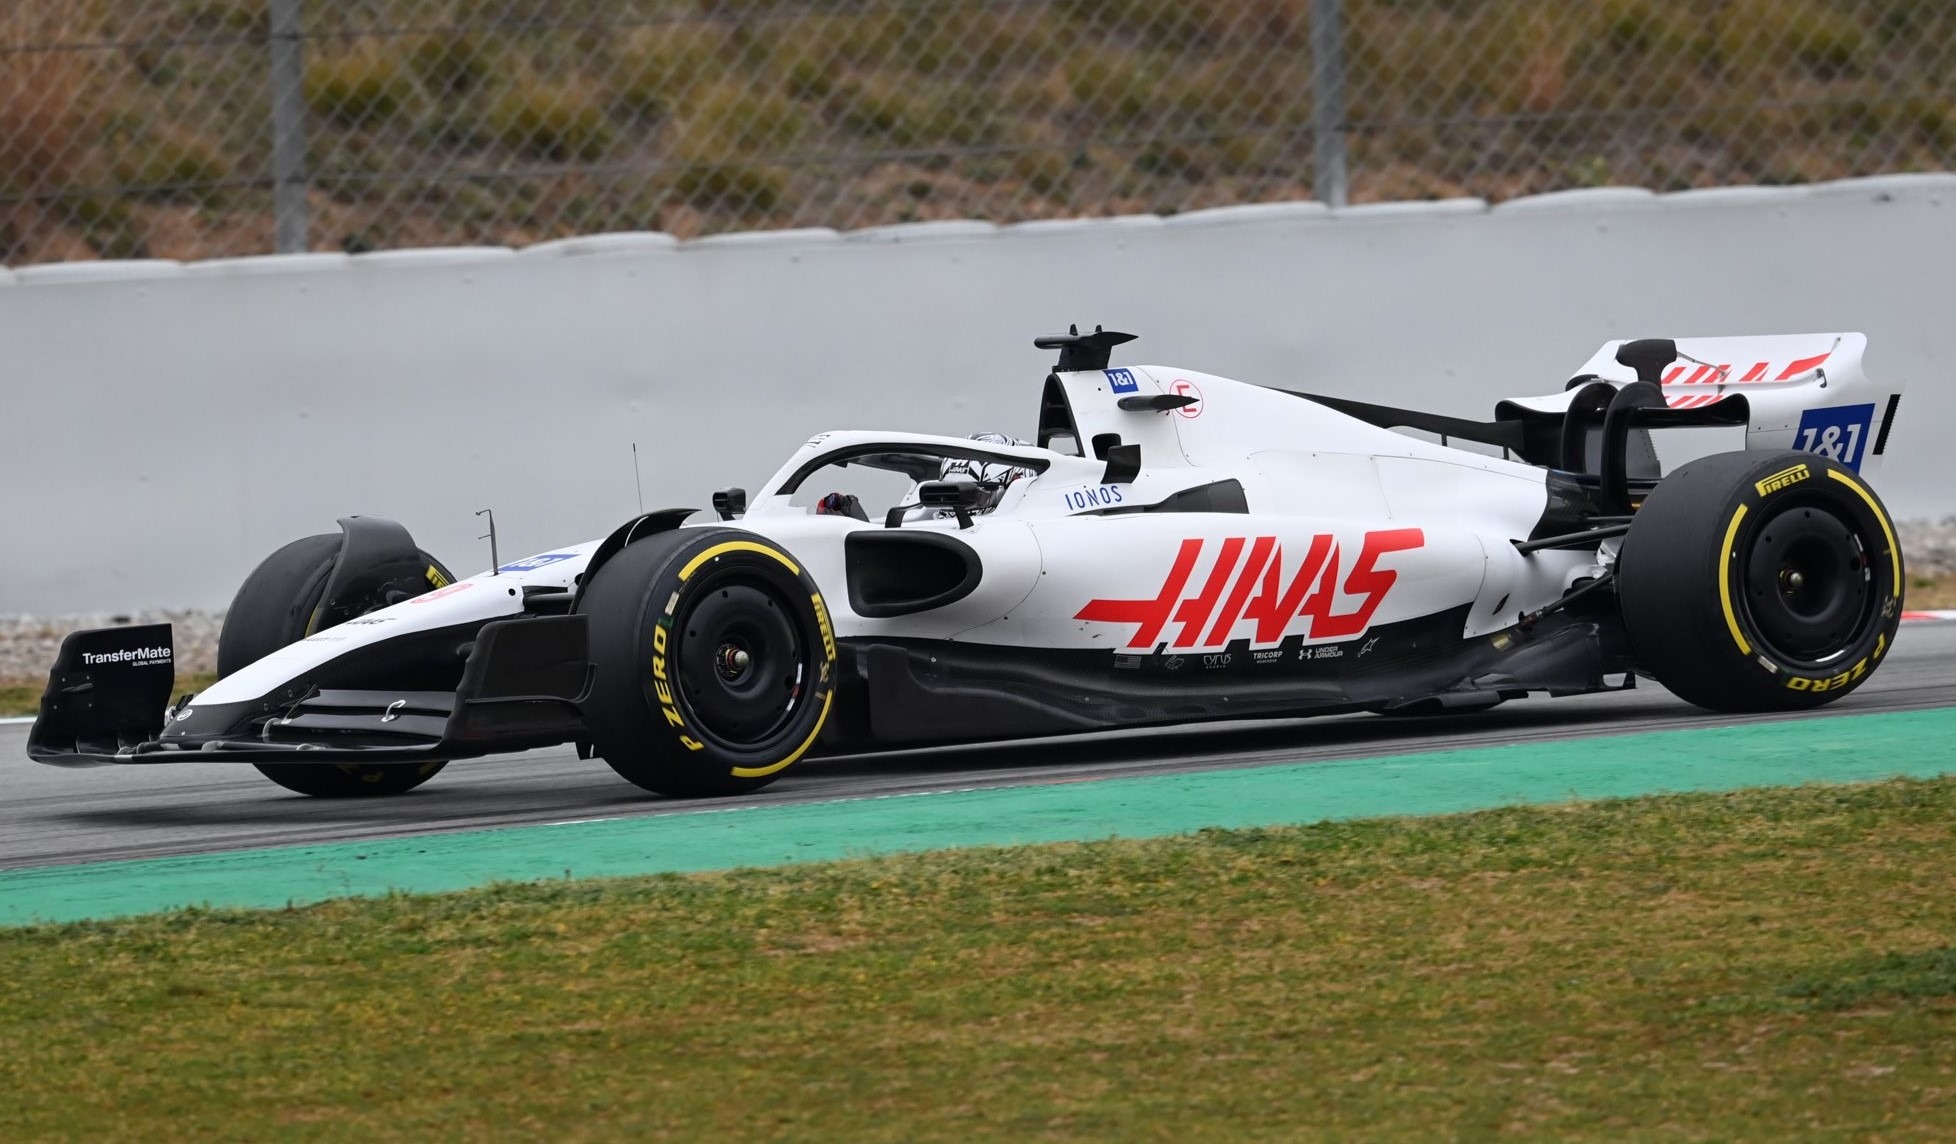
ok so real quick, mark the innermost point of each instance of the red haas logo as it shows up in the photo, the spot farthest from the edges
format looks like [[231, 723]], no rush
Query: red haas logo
[[1260, 593], [1722, 374]]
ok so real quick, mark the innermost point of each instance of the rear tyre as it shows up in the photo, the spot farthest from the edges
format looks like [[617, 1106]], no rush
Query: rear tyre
[[274, 607], [714, 658], [1761, 581]]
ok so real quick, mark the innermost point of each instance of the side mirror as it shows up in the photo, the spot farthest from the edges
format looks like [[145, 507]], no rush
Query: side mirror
[[730, 503], [958, 496], [947, 494]]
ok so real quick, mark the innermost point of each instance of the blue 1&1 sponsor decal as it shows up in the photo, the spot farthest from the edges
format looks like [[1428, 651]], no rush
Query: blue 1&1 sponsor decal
[[1841, 432], [532, 563], [1122, 381]]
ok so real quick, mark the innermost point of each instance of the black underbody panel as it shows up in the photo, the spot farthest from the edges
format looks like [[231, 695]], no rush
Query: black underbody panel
[[913, 692]]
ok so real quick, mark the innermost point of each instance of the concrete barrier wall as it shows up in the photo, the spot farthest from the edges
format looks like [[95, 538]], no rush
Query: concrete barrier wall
[[164, 426]]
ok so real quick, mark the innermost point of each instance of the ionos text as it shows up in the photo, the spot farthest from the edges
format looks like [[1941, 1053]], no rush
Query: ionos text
[[1093, 498]]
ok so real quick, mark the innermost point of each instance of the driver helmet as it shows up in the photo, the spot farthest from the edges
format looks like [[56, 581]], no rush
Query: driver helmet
[[992, 476], [990, 473]]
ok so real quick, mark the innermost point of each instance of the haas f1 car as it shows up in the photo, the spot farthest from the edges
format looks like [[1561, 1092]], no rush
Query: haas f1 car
[[1174, 547]]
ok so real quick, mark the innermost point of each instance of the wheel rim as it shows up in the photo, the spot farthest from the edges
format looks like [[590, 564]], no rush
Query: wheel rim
[[742, 663], [1806, 584]]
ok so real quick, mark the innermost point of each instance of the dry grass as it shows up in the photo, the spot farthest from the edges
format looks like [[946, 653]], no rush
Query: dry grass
[[752, 114], [42, 128], [361, 88], [1931, 592], [20, 697]]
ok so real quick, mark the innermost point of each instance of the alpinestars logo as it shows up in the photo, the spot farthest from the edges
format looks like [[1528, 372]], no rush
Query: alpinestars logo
[[1252, 588], [135, 656]]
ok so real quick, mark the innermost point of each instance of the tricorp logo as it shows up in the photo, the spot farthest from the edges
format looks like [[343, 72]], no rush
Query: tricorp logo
[[1251, 587]]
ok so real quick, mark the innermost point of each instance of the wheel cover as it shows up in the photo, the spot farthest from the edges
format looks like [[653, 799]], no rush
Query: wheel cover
[[1805, 581], [742, 661]]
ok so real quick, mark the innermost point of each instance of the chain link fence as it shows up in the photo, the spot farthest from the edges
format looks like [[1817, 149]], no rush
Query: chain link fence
[[203, 128]]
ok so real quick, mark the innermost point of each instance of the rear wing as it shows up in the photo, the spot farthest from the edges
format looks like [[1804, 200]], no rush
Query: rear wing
[[1790, 391]]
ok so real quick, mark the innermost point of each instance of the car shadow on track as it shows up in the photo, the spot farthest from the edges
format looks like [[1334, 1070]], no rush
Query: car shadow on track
[[554, 786], [1292, 740]]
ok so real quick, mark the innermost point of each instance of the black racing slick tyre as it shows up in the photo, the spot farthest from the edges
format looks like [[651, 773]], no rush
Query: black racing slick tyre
[[714, 661], [1761, 581], [275, 607]]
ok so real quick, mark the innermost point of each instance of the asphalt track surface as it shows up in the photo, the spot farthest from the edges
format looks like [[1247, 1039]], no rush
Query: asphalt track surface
[[50, 816]]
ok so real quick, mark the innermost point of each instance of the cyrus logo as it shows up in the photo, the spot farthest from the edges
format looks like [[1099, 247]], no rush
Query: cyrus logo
[[1782, 479], [135, 657], [1246, 584]]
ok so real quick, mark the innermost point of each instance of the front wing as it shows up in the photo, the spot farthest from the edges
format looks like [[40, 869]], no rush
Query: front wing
[[107, 695]]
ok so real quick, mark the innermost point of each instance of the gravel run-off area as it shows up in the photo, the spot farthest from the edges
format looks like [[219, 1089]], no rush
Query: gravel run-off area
[[28, 643]]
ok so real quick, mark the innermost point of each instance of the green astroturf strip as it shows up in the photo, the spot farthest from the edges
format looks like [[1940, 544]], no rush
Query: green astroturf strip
[[1840, 749]]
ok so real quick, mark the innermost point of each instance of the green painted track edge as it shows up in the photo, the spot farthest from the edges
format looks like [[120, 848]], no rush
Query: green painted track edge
[[1837, 749]]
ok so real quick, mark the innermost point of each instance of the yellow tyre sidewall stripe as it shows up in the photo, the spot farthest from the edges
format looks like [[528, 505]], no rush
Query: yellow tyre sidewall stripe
[[1726, 570], [729, 546], [797, 753]]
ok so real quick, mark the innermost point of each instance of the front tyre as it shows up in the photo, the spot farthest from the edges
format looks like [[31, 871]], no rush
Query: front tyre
[[1761, 581], [274, 607], [715, 662]]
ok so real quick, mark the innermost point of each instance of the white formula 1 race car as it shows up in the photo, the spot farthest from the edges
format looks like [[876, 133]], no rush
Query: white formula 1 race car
[[1175, 547]]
